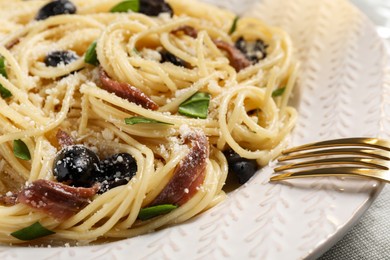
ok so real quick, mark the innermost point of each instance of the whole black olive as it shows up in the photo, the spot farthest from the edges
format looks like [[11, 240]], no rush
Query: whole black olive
[[253, 50], [76, 165], [115, 171], [155, 7], [169, 57], [242, 168], [55, 58], [55, 8]]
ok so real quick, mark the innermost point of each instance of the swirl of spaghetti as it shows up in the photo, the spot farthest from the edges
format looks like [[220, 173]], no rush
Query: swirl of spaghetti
[[213, 87]]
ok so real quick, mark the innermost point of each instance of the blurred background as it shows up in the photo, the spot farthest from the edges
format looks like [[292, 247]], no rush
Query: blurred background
[[370, 238]]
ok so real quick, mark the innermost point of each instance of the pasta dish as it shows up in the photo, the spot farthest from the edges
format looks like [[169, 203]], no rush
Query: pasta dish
[[122, 117]]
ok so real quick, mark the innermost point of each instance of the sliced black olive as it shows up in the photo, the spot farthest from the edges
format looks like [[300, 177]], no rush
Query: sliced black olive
[[169, 57], [55, 58], [242, 168], [155, 7], [253, 50], [56, 7], [76, 165], [115, 171]]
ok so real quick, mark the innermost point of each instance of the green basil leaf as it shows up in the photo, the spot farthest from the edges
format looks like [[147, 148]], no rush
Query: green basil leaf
[[234, 25], [91, 55], [2, 67], [196, 106], [143, 120], [32, 232], [125, 6], [21, 150], [278, 92], [151, 212], [4, 93]]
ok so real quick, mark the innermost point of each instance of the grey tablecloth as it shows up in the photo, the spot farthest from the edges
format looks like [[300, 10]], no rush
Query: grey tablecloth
[[370, 238]]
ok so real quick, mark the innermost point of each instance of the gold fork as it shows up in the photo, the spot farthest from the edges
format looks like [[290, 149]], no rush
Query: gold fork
[[363, 157]]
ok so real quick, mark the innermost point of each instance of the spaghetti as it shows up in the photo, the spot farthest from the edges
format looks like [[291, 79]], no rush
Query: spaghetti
[[129, 100]]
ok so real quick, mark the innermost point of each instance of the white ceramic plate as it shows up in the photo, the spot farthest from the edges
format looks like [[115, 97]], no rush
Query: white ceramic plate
[[340, 94]]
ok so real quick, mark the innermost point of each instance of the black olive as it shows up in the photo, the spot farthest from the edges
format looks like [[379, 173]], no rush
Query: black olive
[[56, 7], [242, 168], [115, 171], [75, 165], [169, 57], [55, 58], [155, 7], [253, 50]]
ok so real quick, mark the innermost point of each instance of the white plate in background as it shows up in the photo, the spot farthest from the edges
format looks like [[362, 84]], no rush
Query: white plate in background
[[340, 94]]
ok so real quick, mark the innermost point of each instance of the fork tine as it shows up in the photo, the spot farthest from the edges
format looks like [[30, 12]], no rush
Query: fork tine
[[365, 157], [378, 154], [366, 162], [380, 175], [359, 141]]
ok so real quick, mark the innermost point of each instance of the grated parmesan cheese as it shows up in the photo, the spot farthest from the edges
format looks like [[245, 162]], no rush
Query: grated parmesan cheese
[[108, 134]]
